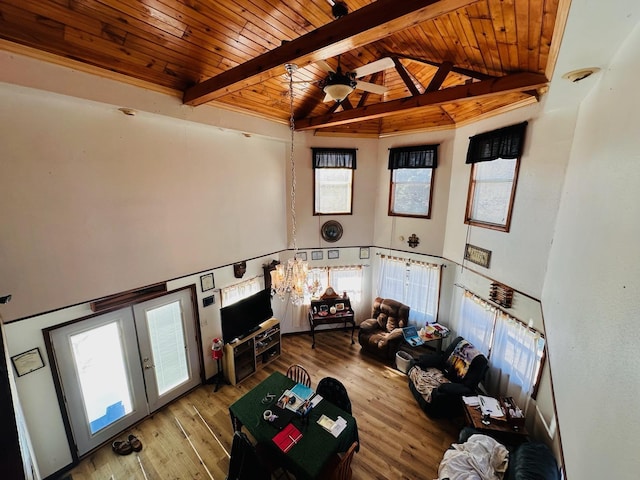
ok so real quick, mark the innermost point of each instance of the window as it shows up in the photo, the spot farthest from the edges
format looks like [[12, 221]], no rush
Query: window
[[516, 358], [333, 180], [515, 351], [341, 279], [416, 284], [237, 292], [495, 160], [412, 180]]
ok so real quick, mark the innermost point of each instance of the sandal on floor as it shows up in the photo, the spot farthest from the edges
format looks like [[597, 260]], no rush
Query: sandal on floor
[[135, 443], [121, 448]]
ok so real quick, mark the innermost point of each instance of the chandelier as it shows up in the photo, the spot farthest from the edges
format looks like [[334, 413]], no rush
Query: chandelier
[[291, 278]]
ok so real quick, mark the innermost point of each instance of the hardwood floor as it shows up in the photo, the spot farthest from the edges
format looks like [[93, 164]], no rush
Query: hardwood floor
[[398, 441]]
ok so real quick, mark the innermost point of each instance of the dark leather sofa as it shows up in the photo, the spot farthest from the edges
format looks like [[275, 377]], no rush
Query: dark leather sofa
[[528, 460], [452, 374]]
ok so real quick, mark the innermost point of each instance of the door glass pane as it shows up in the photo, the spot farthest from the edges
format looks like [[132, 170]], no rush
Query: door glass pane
[[168, 346], [100, 362]]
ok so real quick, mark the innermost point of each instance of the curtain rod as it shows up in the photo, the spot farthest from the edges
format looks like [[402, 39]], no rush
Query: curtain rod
[[419, 262]]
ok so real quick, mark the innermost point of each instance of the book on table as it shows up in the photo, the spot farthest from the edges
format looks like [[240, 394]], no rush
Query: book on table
[[287, 437], [298, 399]]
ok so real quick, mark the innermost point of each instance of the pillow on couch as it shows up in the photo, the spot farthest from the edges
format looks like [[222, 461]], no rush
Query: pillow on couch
[[457, 365]]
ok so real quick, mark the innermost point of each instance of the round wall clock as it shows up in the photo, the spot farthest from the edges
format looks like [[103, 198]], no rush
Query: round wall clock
[[331, 231]]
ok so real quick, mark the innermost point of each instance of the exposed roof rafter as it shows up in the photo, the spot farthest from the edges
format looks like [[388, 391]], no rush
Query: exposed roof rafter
[[362, 27], [517, 82]]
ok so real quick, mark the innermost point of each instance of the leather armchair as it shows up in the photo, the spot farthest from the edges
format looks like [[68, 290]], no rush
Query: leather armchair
[[382, 334], [438, 381]]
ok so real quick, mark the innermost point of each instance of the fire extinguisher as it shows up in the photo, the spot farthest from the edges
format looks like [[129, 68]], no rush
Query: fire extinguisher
[[216, 349]]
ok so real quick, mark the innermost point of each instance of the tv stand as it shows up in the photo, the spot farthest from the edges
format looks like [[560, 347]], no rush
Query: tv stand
[[246, 355]]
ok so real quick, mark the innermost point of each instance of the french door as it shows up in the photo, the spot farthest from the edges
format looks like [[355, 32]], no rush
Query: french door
[[117, 368]]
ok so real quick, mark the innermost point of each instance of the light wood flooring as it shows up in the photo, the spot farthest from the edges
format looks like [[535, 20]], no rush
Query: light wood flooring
[[398, 441]]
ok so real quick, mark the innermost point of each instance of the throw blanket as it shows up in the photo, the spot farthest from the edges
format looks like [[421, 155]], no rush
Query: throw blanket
[[426, 380], [479, 458]]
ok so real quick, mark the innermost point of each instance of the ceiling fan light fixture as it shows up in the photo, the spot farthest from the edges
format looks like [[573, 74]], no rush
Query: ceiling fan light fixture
[[339, 85], [338, 91]]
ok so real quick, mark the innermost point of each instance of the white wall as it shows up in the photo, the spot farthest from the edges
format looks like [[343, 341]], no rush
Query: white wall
[[96, 203], [392, 231], [592, 288], [518, 258], [122, 201]]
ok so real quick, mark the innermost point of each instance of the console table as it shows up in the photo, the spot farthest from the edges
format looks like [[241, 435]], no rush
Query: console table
[[320, 313]]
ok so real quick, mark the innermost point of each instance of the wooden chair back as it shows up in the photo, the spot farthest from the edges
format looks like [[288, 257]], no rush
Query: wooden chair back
[[299, 375], [343, 469]]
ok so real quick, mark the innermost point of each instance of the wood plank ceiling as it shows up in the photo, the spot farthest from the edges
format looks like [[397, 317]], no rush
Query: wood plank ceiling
[[454, 60]]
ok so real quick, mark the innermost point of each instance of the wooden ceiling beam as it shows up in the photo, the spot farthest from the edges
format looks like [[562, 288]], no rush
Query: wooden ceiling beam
[[440, 76], [368, 24], [517, 82], [460, 71], [405, 77]]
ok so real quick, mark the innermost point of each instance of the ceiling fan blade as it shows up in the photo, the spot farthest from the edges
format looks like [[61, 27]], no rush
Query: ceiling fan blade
[[371, 87], [374, 67], [325, 66]]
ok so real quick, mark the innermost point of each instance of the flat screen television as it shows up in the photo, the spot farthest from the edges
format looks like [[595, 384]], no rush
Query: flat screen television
[[245, 316]]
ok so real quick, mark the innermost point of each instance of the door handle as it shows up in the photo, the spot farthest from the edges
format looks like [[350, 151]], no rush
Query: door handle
[[147, 367]]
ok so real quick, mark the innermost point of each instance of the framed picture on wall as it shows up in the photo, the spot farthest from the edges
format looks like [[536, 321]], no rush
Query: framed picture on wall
[[206, 282], [27, 362], [316, 255], [302, 256], [333, 254], [364, 252]]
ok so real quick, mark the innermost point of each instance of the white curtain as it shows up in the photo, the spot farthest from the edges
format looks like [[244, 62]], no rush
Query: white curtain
[[422, 293], [317, 283], [241, 290], [392, 278], [515, 360], [476, 322], [341, 279], [415, 284], [348, 279]]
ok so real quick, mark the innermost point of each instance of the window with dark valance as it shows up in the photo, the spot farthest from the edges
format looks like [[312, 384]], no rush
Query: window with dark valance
[[502, 143], [411, 187], [334, 158], [424, 156]]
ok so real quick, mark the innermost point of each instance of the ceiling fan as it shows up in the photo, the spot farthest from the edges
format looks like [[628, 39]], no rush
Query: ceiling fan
[[338, 84]]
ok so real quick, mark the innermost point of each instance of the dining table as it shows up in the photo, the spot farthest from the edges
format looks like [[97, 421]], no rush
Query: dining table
[[310, 454]]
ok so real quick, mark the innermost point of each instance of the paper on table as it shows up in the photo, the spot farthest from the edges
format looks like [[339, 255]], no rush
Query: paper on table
[[490, 406], [334, 427], [338, 427], [472, 401]]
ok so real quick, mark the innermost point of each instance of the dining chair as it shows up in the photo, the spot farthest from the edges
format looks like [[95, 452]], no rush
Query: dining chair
[[335, 392], [244, 463], [299, 374], [342, 468]]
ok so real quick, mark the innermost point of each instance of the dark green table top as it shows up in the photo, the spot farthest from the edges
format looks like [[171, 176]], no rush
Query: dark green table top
[[309, 456]]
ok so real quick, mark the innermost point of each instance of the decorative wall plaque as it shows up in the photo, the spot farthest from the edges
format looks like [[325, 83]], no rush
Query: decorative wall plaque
[[477, 255]]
